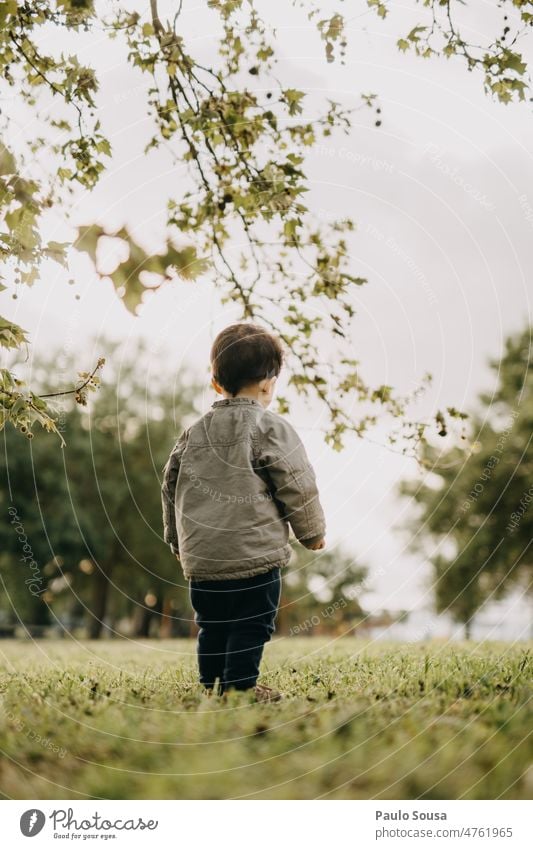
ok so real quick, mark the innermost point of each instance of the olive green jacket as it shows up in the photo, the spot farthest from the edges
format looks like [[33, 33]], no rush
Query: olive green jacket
[[233, 484]]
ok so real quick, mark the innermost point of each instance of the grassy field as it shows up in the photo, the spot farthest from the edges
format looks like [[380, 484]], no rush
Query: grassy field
[[359, 720]]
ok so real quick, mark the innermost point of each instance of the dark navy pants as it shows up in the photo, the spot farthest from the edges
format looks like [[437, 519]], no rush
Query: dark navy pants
[[236, 619]]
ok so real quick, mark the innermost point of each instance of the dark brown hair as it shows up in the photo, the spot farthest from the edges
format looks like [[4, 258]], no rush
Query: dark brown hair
[[243, 354]]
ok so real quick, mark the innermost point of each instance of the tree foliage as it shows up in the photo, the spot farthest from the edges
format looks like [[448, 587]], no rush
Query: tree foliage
[[81, 531], [500, 62], [91, 512], [475, 511], [244, 135], [321, 593]]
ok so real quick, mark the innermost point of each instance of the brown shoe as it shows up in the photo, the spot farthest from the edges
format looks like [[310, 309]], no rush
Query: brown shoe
[[266, 694]]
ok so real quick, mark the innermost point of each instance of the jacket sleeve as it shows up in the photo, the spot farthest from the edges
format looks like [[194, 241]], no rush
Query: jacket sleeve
[[284, 458], [168, 492]]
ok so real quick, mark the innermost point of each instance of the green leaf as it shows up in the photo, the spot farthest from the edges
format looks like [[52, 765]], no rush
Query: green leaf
[[87, 240], [126, 277], [7, 161], [11, 335], [292, 98], [379, 6], [414, 34], [104, 146], [514, 62], [57, 252], [8, 7], [186, 262], [29, 276], [21, 221]]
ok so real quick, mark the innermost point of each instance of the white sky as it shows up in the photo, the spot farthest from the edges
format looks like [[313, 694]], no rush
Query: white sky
[[442, 236]]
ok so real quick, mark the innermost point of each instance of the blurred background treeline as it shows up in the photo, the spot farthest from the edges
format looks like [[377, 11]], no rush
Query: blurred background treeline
[[81, 538]]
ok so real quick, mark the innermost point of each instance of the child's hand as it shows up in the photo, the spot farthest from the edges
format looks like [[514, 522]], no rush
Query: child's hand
[[316, 545]]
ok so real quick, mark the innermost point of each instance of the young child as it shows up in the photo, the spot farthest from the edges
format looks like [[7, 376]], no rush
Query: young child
[[233, 484]]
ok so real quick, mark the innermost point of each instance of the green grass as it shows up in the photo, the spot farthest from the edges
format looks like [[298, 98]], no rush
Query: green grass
[[359, 720]]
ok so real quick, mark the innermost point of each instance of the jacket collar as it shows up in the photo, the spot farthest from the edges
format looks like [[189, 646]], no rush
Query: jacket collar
[[227, 402]]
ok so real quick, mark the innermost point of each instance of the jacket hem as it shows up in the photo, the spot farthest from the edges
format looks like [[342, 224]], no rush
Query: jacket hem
[[231, 576]]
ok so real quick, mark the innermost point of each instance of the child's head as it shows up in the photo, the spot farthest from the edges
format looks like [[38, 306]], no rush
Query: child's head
[[246, 357]]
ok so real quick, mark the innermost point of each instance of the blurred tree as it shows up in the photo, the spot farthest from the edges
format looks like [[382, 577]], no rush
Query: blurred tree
[[244, 135], [475, 513], [91, 513], [320, 593]]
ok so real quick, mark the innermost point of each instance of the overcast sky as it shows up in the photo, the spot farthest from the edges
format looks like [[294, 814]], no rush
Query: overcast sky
[[439, 193]]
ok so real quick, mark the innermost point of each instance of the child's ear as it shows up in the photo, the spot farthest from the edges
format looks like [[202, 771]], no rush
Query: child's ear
[[216, 386], [267, 384]]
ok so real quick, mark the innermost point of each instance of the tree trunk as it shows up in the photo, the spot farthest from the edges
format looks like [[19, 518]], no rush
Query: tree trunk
[[143, 628], [165, 629], [468, 629], [100, 596], [40, 612], [146, 616]]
